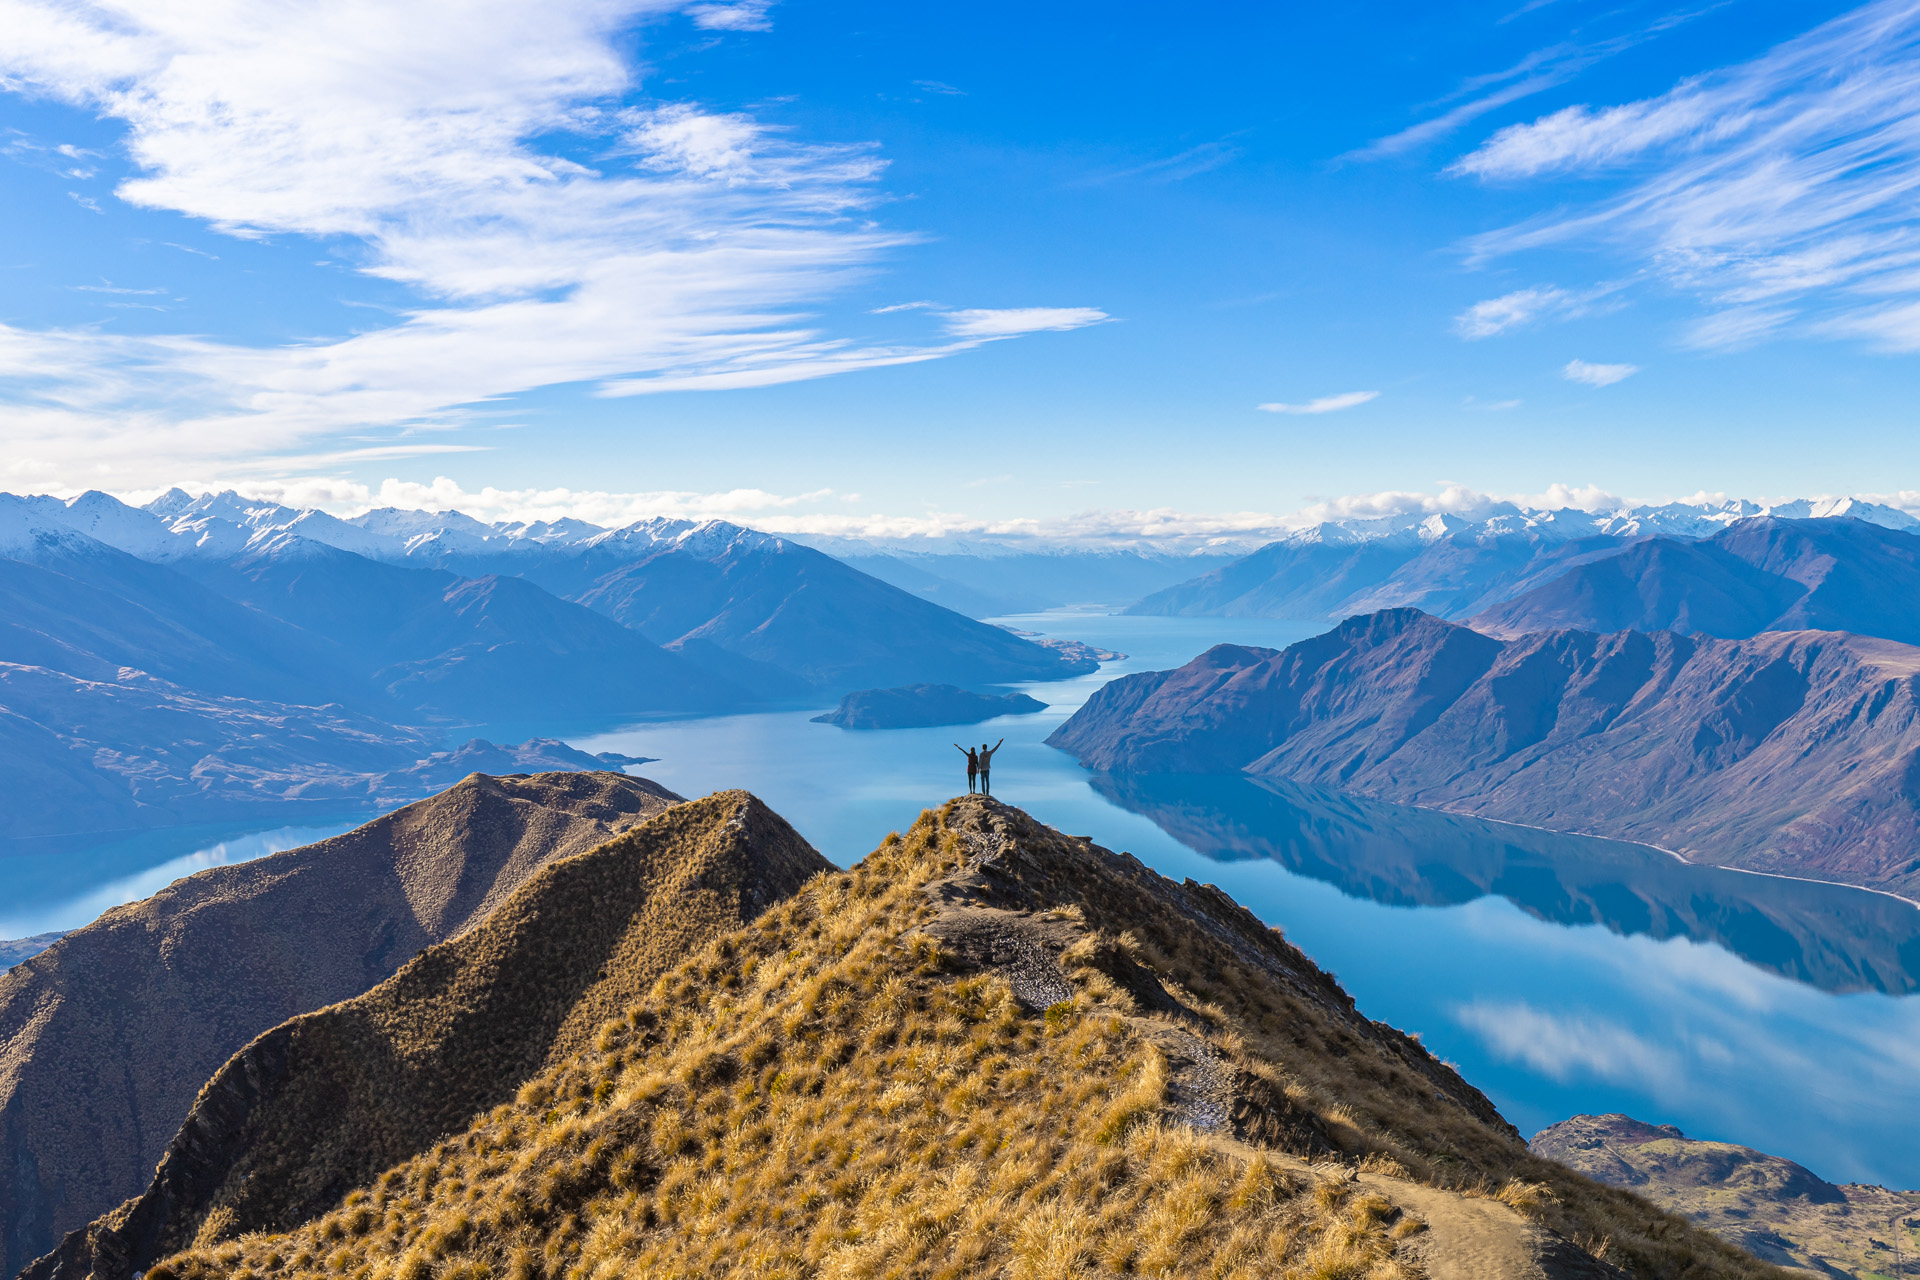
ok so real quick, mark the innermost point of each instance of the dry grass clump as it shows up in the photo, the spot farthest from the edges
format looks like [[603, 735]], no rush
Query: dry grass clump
[[821, 1094]]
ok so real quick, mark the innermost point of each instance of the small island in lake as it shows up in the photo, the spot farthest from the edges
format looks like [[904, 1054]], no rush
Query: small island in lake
[[920, 706]]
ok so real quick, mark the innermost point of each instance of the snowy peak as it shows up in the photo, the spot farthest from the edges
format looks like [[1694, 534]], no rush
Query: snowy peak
[[178, 524], [28, 529]]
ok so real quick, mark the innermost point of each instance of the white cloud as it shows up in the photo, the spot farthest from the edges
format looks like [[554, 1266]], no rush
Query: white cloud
[[446, 138], [1190, 163], [741, 15], [1523, 307], [1775, 191], [1538, 71], [1597, 375], [1011, 321], [1325, 404], [1563, 1046]]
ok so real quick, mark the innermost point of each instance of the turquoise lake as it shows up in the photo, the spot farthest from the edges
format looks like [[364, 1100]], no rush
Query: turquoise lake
[[1560, 974]]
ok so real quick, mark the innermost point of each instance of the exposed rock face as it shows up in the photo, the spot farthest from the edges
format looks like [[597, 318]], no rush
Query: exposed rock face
[[1792, 752], [921, 705], [1770, 1206], [321, 1103], [106, 1036]]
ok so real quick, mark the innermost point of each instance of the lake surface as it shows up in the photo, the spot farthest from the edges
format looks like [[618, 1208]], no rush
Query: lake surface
[[47, 892], [1561, 974]]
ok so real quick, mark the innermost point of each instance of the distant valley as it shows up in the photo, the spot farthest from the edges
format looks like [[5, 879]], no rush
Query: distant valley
[[201, 657]]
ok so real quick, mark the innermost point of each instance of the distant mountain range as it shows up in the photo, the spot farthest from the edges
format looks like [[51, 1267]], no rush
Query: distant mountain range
[[162, 664], [1458, 568], [1763, 574], [747, 615], [985, 579], [1791, 752]]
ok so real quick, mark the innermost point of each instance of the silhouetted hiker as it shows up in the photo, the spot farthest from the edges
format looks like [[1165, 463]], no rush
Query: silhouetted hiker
[[986, 763], [973, 765]]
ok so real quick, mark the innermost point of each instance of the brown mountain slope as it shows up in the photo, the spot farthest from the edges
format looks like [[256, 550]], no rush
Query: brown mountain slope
[[325, 1101], [1770, 1206], [1789, 752], [990, 1049], [106, 1036]]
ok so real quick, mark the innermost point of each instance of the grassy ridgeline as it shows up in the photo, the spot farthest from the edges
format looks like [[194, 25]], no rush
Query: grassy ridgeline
[[107, 1036], [989, 1049]]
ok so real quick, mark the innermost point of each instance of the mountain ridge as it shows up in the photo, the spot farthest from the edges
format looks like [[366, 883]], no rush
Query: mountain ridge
[[1459, 569], [106, 1035], [1791, 752], [319, 1104], [987, 1048]]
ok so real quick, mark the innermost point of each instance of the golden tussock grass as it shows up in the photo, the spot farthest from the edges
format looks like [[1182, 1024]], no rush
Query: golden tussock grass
[[833, 1091]]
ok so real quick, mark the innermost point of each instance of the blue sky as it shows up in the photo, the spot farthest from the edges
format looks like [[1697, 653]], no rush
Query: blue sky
[[871, 267]]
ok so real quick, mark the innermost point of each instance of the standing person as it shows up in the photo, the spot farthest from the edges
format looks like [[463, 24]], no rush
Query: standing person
[[973, 765], [986, 763]]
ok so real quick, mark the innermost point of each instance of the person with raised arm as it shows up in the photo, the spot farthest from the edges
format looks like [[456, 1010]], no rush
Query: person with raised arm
[[973, 765], [986, 763]]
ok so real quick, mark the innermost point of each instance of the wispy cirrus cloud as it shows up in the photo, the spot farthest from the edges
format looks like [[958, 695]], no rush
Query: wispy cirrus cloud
[[1597, 375], [738, 15], [1778, 192], [1523, 308], [1540, 70], [1188, 163], [495, 158], [1325, 404], [1008, 322]]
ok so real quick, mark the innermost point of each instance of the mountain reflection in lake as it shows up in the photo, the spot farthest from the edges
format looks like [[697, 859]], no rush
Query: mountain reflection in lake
[[1834, 937]]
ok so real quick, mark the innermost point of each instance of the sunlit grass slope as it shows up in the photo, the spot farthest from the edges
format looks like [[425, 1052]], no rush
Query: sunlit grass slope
[[324, 1102], [989, 1049]]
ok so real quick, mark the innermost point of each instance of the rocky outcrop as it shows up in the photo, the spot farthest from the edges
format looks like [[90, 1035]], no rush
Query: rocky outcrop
[[1774, 1208], [1790, 752], [106, 1036]]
